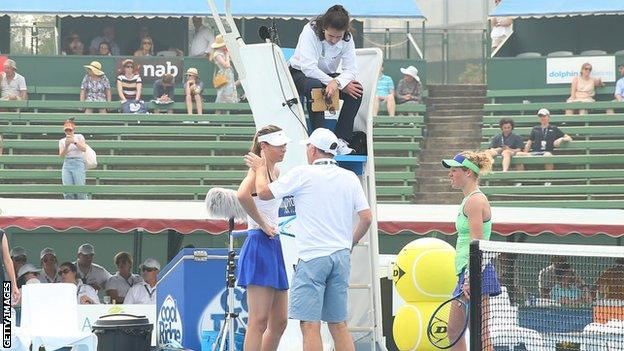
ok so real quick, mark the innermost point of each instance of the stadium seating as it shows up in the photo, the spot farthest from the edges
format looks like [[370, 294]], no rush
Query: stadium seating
[[143, 156]]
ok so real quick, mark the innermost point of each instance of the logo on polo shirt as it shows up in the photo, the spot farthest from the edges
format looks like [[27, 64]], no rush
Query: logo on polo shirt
[[169, 322]]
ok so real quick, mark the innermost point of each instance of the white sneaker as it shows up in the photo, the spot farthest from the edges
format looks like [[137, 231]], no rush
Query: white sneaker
[[547, 183], [343, 148], [518, 184]]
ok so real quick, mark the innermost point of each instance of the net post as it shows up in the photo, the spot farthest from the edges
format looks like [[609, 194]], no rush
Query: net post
[[475, 296]]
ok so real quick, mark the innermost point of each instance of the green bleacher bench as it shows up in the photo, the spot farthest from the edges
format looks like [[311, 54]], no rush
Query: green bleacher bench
[[583, 131], [524, 93], [532, 108], [147, 91], [125, 118], [610, 159], [550, 175], [582, 145], [598, 204], [593, 189], [531, 120], [190, 129]]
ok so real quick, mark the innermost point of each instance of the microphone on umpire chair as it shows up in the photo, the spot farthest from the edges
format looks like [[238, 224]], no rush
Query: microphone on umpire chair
[[223, 203]]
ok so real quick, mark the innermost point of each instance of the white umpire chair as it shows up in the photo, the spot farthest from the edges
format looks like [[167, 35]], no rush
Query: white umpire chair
[[50, 318]]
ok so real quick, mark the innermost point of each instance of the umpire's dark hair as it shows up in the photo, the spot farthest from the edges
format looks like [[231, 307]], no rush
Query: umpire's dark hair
[[336, 17], [506, 120]]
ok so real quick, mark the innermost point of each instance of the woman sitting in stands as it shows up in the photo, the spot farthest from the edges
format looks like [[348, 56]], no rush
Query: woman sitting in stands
[[72, 148], [568, 289], [147, 47], [95, 86], [73, 45], [409, 88], [104, 49], [193, 91], [583, 88], [85, 294]]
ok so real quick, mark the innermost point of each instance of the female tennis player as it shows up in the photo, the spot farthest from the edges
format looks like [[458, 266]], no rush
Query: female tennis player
[[474, 222], [261, 268]]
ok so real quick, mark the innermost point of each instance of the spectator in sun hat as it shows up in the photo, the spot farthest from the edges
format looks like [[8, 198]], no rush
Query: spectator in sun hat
[[118, 285], [409, 88], [193, 88], [144, 292], [91, 273], [28, 274], [226, 93], [95, 85], [49, 266], [12, 84]]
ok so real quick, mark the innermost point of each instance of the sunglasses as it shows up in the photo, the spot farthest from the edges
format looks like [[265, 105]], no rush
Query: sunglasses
[[64, 271], [129, 66], [147, 42], [587, 68], [49, 259], [20, 259], [148, 269]]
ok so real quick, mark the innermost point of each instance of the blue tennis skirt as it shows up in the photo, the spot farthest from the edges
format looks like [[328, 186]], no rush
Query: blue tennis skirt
[[490, 285], [261, 261]]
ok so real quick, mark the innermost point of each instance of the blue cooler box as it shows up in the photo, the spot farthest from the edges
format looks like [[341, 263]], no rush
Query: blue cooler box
[[191, 298]]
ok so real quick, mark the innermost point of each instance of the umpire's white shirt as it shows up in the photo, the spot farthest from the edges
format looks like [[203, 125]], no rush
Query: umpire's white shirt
[[326, 198], [317, 58]]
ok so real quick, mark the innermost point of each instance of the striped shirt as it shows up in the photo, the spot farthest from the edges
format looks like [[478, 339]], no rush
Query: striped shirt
[[129, 85]]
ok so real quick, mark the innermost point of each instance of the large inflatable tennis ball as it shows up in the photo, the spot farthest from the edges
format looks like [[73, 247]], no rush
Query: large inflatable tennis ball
[[410, 326], [424, 271]]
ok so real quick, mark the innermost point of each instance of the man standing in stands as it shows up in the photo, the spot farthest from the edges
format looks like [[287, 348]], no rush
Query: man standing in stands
[[12, 84], [108, 35], [91, 273], [544, 139], [203, 38]]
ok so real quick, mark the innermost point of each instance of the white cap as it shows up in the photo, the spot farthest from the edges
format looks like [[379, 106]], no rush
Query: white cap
[[278, 138], [411, 71], [86, 249], [27, 268], [17, 251], [150, 263], [323, 139], [543, 112], [47, 251]]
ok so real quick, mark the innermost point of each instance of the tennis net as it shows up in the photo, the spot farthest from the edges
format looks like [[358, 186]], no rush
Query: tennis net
[[552, 297]]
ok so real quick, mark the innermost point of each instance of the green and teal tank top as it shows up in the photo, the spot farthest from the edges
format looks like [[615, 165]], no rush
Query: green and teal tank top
[[462, 247]]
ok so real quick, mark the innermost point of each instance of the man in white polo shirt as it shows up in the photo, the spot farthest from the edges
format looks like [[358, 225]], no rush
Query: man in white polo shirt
[[326, 198], [91, 273], [145, 292]]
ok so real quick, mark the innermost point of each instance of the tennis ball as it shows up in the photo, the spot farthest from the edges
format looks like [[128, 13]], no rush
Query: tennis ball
[[424, 271], [410, 326]]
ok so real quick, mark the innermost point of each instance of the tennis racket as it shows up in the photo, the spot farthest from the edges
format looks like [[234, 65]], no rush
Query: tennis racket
[[437, 330]]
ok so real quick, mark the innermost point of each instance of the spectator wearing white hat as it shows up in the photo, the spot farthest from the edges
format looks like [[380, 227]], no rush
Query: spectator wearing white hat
[[145, 292], [12, 84], [409, 88], [91, 273], [49, 266], [118, 285], [28, 274], [544, 139], [85, 294], [19, 258], [327, 197]]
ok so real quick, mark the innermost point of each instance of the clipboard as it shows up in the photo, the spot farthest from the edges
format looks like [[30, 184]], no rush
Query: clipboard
[[320, 103]]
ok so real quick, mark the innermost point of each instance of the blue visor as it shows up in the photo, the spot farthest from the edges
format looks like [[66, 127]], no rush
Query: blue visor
[[461, 161]]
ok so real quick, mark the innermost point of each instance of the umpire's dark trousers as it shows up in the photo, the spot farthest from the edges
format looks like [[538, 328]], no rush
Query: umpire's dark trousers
[[350, 106]]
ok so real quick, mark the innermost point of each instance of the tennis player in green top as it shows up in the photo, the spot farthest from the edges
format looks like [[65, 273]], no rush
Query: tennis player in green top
[[474, 222]]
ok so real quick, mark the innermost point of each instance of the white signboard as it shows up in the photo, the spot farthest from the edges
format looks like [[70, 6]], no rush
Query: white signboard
[[89, 314], [561, 70]]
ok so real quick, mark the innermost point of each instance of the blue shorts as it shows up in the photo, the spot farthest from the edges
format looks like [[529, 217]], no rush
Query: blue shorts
[[489, 282], [261, 261], [319, 288]]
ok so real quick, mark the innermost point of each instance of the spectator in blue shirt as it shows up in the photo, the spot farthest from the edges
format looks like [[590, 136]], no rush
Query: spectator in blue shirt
[[506, 144], [385, 94]]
